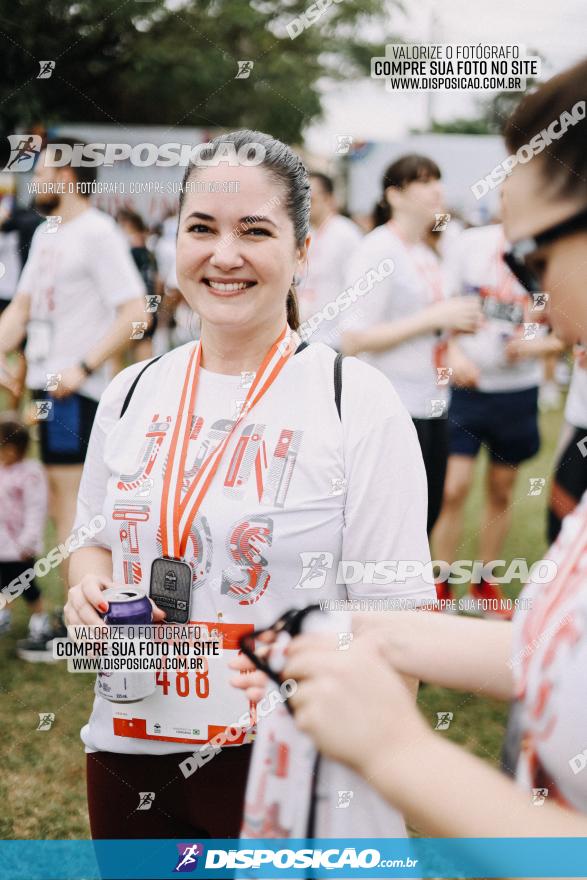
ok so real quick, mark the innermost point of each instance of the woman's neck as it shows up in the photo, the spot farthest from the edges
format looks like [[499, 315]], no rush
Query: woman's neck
[[411, 229], [234, 352]]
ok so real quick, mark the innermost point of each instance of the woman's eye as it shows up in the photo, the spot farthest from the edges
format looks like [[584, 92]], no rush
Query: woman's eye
[[198, 227], [257, 231]]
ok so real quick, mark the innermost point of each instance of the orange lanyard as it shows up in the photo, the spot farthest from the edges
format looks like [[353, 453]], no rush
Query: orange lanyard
[[177, 514], [429, 271]]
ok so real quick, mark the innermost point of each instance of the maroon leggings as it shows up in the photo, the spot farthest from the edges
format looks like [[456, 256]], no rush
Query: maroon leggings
[[207, 804]]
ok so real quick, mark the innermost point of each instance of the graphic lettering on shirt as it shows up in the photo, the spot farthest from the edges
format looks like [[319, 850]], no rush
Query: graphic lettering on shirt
[[563, 632], [282, 467], [246, 580], [154, 438], [216, 434], [553, 631], [199, 550], [131, 560], [137, 507], [262, 815], [250, 450]]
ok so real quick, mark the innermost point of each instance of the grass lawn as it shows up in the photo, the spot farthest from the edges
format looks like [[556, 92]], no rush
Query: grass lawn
[[42, 784]]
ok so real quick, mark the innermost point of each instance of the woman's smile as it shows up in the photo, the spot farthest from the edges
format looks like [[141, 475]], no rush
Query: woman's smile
[[228, 286]]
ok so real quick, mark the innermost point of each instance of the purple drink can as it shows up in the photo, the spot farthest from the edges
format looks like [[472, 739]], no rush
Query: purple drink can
[[127, 607]]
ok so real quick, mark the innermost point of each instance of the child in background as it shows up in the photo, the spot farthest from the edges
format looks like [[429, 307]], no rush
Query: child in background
[[23, 512]]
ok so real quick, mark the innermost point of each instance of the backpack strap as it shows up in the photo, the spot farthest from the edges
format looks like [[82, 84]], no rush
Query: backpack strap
[[338, 382], [131, 390]]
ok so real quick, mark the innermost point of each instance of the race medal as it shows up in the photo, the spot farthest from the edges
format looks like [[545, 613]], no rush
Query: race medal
[[171, 588]]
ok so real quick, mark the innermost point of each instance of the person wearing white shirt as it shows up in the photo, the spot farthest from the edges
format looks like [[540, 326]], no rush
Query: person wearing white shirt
[[494, 401], [401, 324], [230, 457], [333, 241], [77, 298], [538, 661]]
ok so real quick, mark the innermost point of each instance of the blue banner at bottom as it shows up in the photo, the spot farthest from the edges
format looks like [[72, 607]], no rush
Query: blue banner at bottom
[[318, 858]]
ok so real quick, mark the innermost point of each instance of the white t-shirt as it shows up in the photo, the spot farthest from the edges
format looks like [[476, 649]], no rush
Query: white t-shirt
[[331, 249], [576, 408], [9, 264], [412, 365], [277, 509], [549, 663], [76, 277], [476, 267]]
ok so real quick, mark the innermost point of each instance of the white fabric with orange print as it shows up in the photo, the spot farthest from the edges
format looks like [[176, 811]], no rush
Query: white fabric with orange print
[[281, 790], [475, 264], [296, 491], [550, 665]]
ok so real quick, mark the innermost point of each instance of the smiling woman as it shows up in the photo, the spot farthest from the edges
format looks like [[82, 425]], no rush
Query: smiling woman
[[231, 460], [237, 256]]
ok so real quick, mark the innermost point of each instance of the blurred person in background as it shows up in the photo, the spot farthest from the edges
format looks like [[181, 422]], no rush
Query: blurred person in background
[[494, 401], [334, 239], [136, 233], [76, 301], [9, 272], [402, 323], [353, 703], [569, 480], [23, 511], [17, 226]]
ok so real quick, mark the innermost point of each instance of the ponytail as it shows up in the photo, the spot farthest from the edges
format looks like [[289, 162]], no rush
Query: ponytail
[[381, 212], [292, 308]]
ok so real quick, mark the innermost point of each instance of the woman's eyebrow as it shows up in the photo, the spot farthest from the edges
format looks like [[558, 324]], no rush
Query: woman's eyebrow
[[255, 218], [200, 216]]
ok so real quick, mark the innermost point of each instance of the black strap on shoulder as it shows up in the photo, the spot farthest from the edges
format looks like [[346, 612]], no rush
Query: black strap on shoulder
[[131, 390], [338, 382]]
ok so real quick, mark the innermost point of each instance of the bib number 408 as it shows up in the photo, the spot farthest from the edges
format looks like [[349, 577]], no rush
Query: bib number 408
[[198, 683]]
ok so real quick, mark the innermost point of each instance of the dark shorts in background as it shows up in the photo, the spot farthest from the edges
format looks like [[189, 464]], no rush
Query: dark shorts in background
[[505, 422], [64, 436], [10, 571]]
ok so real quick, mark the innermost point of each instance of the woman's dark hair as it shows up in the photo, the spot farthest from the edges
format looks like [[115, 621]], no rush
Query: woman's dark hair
[[563, 163], [84, 174], [287, 169], [13, 432], [326, 181], [131, 218], [399, 174]]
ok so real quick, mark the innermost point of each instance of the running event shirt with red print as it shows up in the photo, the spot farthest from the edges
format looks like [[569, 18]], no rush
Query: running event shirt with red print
[[549, 662], [475, 264], [298, 490]]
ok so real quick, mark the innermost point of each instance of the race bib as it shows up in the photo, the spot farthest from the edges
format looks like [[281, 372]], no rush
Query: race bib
[[190, 706]]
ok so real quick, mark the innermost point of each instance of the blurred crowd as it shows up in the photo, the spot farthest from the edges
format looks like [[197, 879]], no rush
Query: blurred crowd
[[471, 356]]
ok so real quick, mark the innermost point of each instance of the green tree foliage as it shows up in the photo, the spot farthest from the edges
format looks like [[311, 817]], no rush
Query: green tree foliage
[[144, 62]]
